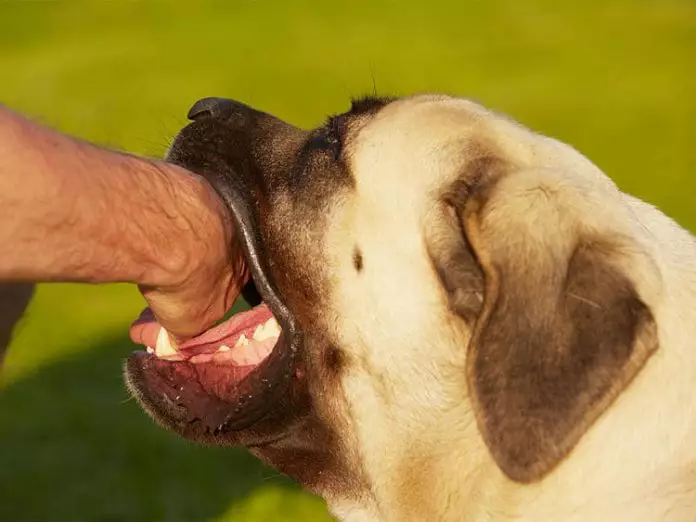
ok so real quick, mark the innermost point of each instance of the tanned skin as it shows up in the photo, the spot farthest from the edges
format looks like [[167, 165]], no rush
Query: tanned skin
[[73, 212]]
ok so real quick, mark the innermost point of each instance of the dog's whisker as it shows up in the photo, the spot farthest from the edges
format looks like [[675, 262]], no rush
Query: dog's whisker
[[584, 300]]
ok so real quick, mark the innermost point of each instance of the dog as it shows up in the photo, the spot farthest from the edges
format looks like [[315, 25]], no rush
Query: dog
[[455, 319]]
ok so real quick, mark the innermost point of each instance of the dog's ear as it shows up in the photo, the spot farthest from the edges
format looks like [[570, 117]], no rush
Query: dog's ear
[[558, 329]]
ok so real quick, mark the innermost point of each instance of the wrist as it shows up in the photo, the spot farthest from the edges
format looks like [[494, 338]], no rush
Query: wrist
[[195, 233]]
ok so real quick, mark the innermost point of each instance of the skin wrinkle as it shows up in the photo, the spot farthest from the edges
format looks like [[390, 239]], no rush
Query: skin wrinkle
[[178, 216]]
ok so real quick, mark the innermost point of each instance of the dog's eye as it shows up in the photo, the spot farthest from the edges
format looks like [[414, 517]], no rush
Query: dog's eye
[[332, 142], [328, 138]]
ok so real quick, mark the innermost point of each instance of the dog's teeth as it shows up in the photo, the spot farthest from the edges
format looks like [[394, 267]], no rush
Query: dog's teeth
[[223, 348], [267, 330], [259, 333], [273, 327], [242, 341], [150, 349], [164, 347]]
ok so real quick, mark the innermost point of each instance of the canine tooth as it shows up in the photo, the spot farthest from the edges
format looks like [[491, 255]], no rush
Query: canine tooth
[[150, 349], [164, 346], [267, 330], [242, 341], [261, 333], [257, 332], [272, 326], [223, 348]]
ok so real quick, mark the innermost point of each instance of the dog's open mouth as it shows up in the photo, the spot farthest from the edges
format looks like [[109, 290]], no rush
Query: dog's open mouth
[[228, 378], [218, 379]]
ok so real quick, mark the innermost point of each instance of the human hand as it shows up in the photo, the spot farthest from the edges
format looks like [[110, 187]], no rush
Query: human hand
[[208, 281]]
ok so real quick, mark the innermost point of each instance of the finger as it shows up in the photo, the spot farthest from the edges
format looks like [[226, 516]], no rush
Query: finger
[[182, 329], [144, 329]]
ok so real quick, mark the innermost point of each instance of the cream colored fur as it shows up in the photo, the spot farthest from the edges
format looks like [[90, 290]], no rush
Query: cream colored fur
[[412, 422]]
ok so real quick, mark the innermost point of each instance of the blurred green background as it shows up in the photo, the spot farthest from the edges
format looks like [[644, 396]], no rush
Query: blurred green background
[[615, 78]]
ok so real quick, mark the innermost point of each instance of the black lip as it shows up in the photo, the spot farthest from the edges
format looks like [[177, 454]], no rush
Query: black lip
[[275, 374]]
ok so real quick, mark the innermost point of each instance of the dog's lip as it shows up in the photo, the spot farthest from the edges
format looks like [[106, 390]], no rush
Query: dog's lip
[[213, 397]]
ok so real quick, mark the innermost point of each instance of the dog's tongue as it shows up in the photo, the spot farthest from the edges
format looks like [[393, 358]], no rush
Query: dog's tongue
[[145, 329]]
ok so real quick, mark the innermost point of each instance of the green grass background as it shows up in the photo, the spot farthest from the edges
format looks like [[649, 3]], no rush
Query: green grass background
[[616, 78]]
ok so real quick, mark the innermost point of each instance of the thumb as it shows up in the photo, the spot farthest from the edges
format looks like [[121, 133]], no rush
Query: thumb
[[182, 317], [147, 329]]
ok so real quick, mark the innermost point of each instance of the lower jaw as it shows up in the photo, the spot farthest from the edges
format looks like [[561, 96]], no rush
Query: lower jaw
[[215, 390], [208, 379], [207, 393]]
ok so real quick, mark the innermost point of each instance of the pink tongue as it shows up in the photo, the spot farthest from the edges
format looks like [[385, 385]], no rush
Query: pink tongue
[[145, 329]]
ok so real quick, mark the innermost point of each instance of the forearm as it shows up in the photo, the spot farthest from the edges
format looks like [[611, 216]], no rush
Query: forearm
[[70, 211]]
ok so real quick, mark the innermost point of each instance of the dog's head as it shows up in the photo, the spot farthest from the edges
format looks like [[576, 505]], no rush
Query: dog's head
[[451, 288]]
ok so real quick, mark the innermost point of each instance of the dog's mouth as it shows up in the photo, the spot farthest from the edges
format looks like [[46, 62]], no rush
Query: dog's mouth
[[230, 377], [211, 379], [223, 380]]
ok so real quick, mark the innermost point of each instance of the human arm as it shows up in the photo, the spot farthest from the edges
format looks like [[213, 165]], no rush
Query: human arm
[[71, 211]]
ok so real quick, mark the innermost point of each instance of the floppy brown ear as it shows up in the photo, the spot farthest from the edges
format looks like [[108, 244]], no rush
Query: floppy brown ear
[[561, 330]]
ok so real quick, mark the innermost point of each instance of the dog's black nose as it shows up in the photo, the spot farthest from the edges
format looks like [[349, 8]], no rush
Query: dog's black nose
[[214, 107], [230, 111]]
